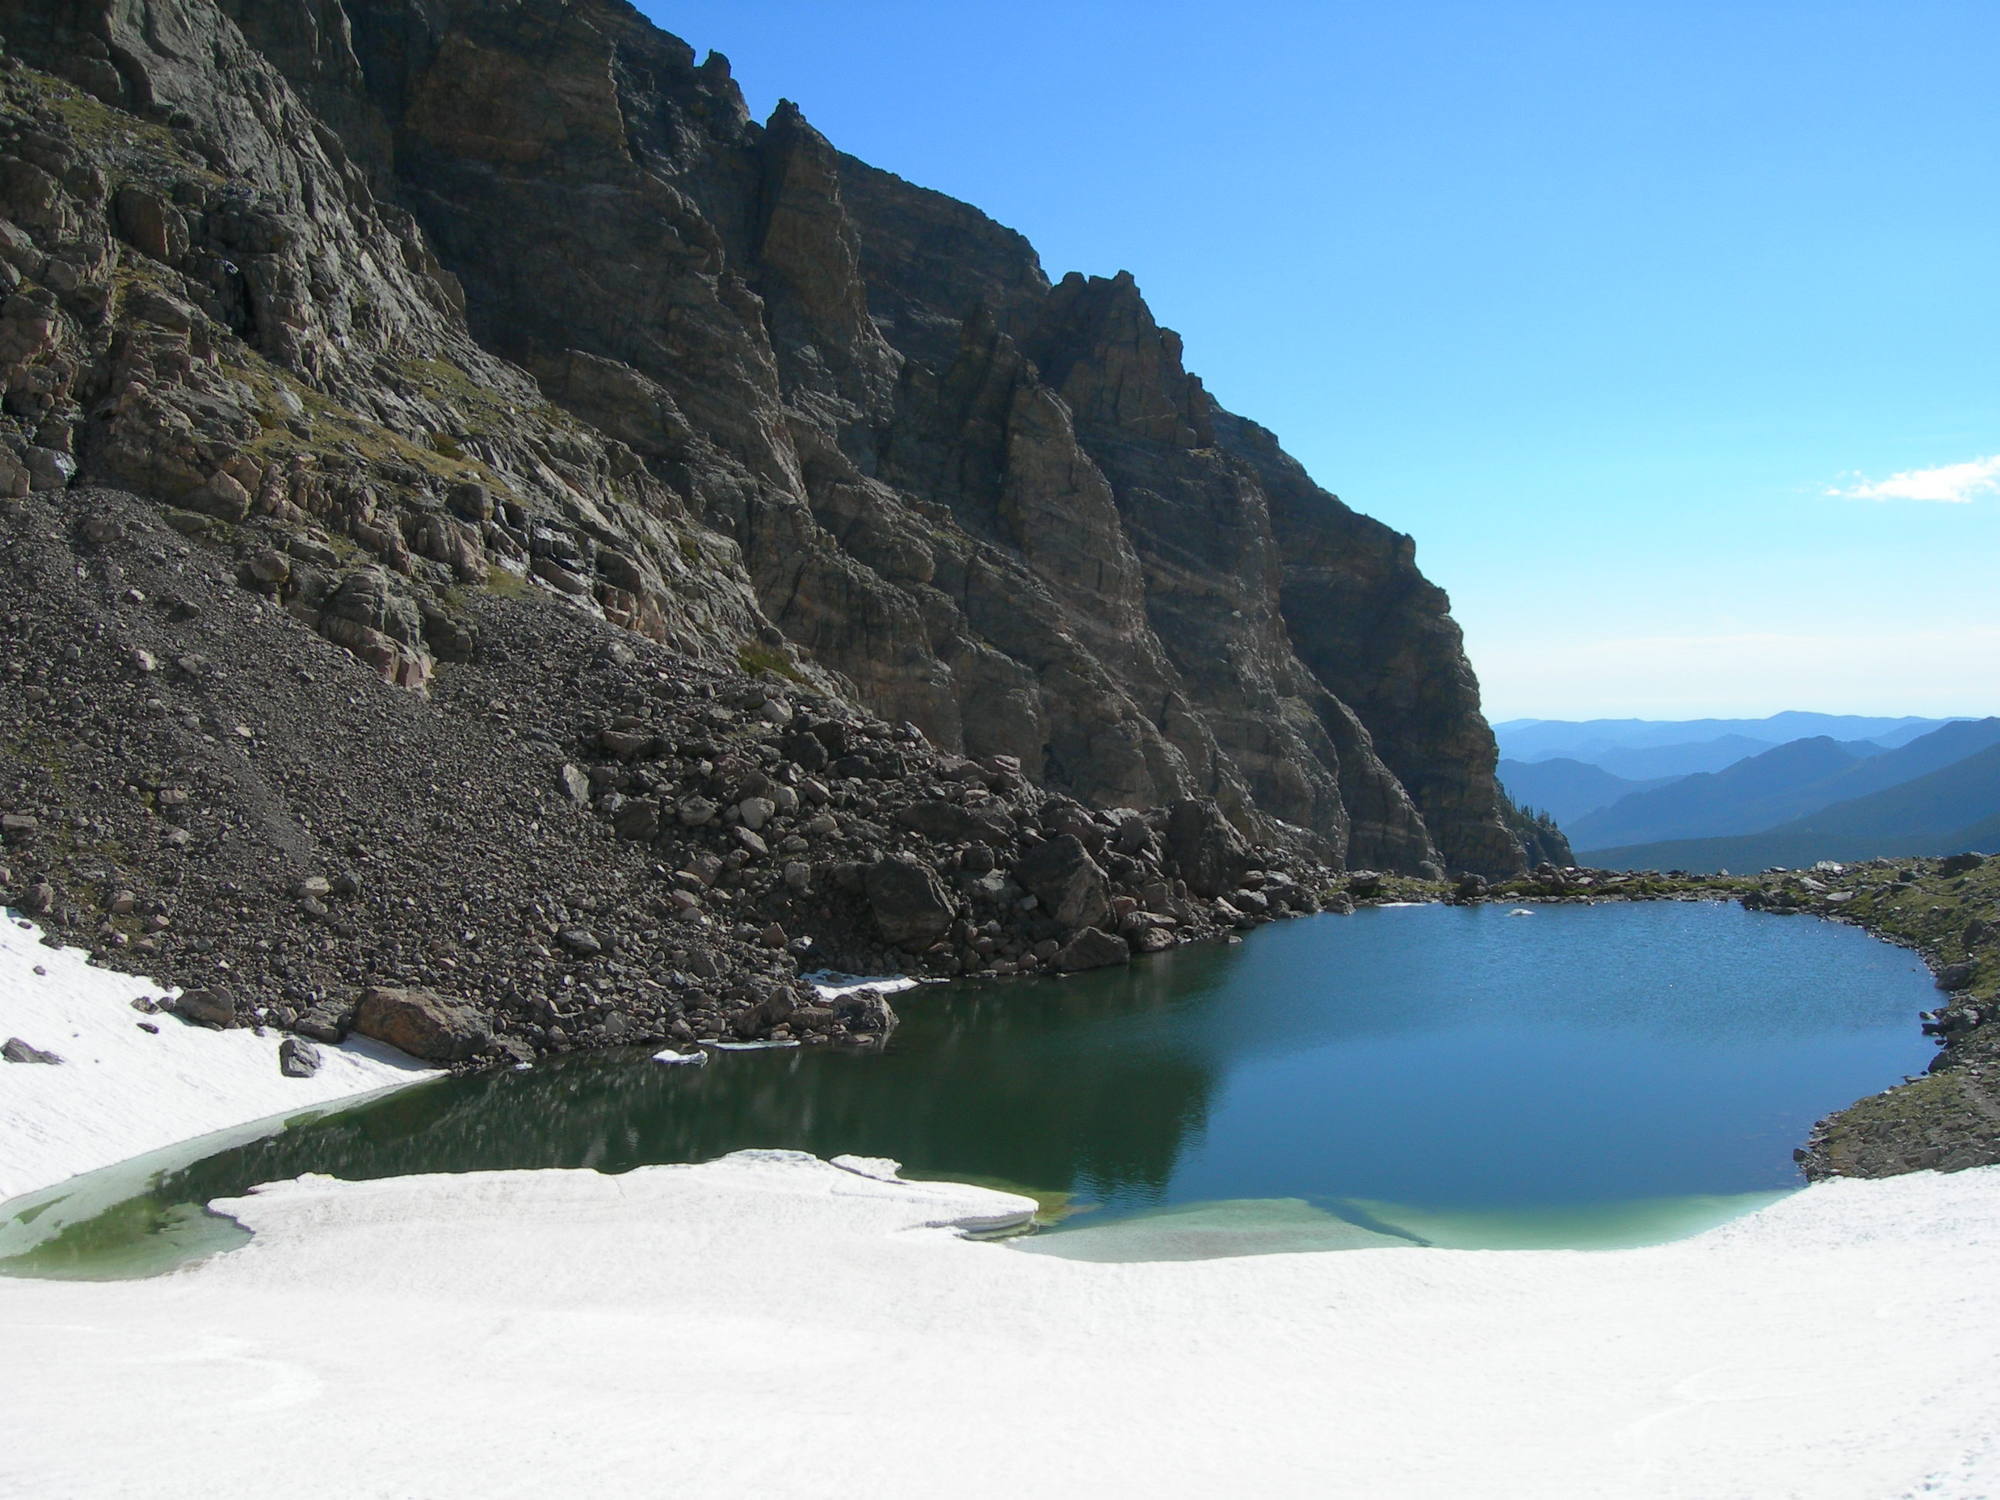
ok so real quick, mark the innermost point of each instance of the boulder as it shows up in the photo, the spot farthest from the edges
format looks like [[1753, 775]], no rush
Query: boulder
[[220, 496], [297, 1057], [1205, 848], [910, 902], [639, 820], [372, 618], [1062, 815], [865, 1012], [1957, 976], [1092, 948], [322, 1023], [1131, 835], [208, 1007], [775, 1007], [953, 823], [422, 1023], [580, 942], [17, 1051], [813, 1019], [626, 744], [1070, 885]]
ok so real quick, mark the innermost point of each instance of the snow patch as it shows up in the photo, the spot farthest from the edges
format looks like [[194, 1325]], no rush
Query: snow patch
[[881, 1168], [832, 986], [122, 1091]]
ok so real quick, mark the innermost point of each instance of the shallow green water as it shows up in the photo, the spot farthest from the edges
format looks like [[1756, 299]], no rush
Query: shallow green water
[[1584, 1076]]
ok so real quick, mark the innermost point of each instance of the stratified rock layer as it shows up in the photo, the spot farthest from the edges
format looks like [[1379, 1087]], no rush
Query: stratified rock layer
[[471, 295]]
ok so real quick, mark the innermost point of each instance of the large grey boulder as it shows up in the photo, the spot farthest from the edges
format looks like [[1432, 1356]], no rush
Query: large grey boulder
[[1070, 885], [1206, 850], [864, 1013], [910, 902], [952, 822], [775, 1005], [1092, 949], [297, 1057]]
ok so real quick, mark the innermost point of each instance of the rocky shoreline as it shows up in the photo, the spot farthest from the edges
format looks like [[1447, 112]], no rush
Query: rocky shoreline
[[1948, 910], [576, 838]]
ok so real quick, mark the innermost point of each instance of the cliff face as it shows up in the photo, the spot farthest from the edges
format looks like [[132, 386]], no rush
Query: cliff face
[[519, 291]]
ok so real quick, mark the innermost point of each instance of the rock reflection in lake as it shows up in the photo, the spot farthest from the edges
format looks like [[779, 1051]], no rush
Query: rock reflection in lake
[[1088, 1086]]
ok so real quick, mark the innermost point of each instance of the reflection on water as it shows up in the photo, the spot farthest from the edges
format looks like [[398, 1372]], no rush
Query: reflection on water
[[1417, 1075], [1275, 1226]]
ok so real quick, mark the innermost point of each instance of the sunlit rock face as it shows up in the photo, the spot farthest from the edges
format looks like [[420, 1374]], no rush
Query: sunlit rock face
[[737, 391]]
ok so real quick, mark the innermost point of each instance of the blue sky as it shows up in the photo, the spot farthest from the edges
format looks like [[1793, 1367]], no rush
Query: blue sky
[[1635, 316]]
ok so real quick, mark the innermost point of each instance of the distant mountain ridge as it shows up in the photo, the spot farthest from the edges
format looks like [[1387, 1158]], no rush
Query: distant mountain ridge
[[1787, 782], [1568, 789], [1953, 808], [1686, 758], [1756, 792], [1593, 740]]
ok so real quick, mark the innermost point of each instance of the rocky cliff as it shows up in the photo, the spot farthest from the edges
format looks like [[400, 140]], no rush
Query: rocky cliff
[[466, 298]]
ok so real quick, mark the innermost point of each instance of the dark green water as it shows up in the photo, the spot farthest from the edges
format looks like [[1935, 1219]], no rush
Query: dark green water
[[1585, 1075]]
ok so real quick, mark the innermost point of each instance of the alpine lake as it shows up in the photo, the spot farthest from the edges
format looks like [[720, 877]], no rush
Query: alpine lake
[[1581, 1076]]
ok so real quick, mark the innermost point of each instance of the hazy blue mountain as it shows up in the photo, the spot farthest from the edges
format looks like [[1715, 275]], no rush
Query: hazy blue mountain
[[1765, 790], [1759, 791], [1983, 836], [1943, 812], [1686, 758], [1918, 757], [1591, 740], [1566, 788], [1916, 729]]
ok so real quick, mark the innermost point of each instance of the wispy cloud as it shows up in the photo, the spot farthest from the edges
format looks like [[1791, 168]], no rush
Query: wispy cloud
[[1952, 484]]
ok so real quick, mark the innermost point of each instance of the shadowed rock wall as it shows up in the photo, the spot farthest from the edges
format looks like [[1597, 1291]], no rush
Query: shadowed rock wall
[[547, 301]]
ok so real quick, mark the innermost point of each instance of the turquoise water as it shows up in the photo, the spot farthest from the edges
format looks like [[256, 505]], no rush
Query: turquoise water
[[1585, 1075]]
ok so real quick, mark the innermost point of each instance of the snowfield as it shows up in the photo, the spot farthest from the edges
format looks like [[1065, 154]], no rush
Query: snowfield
[[772, 1325]]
